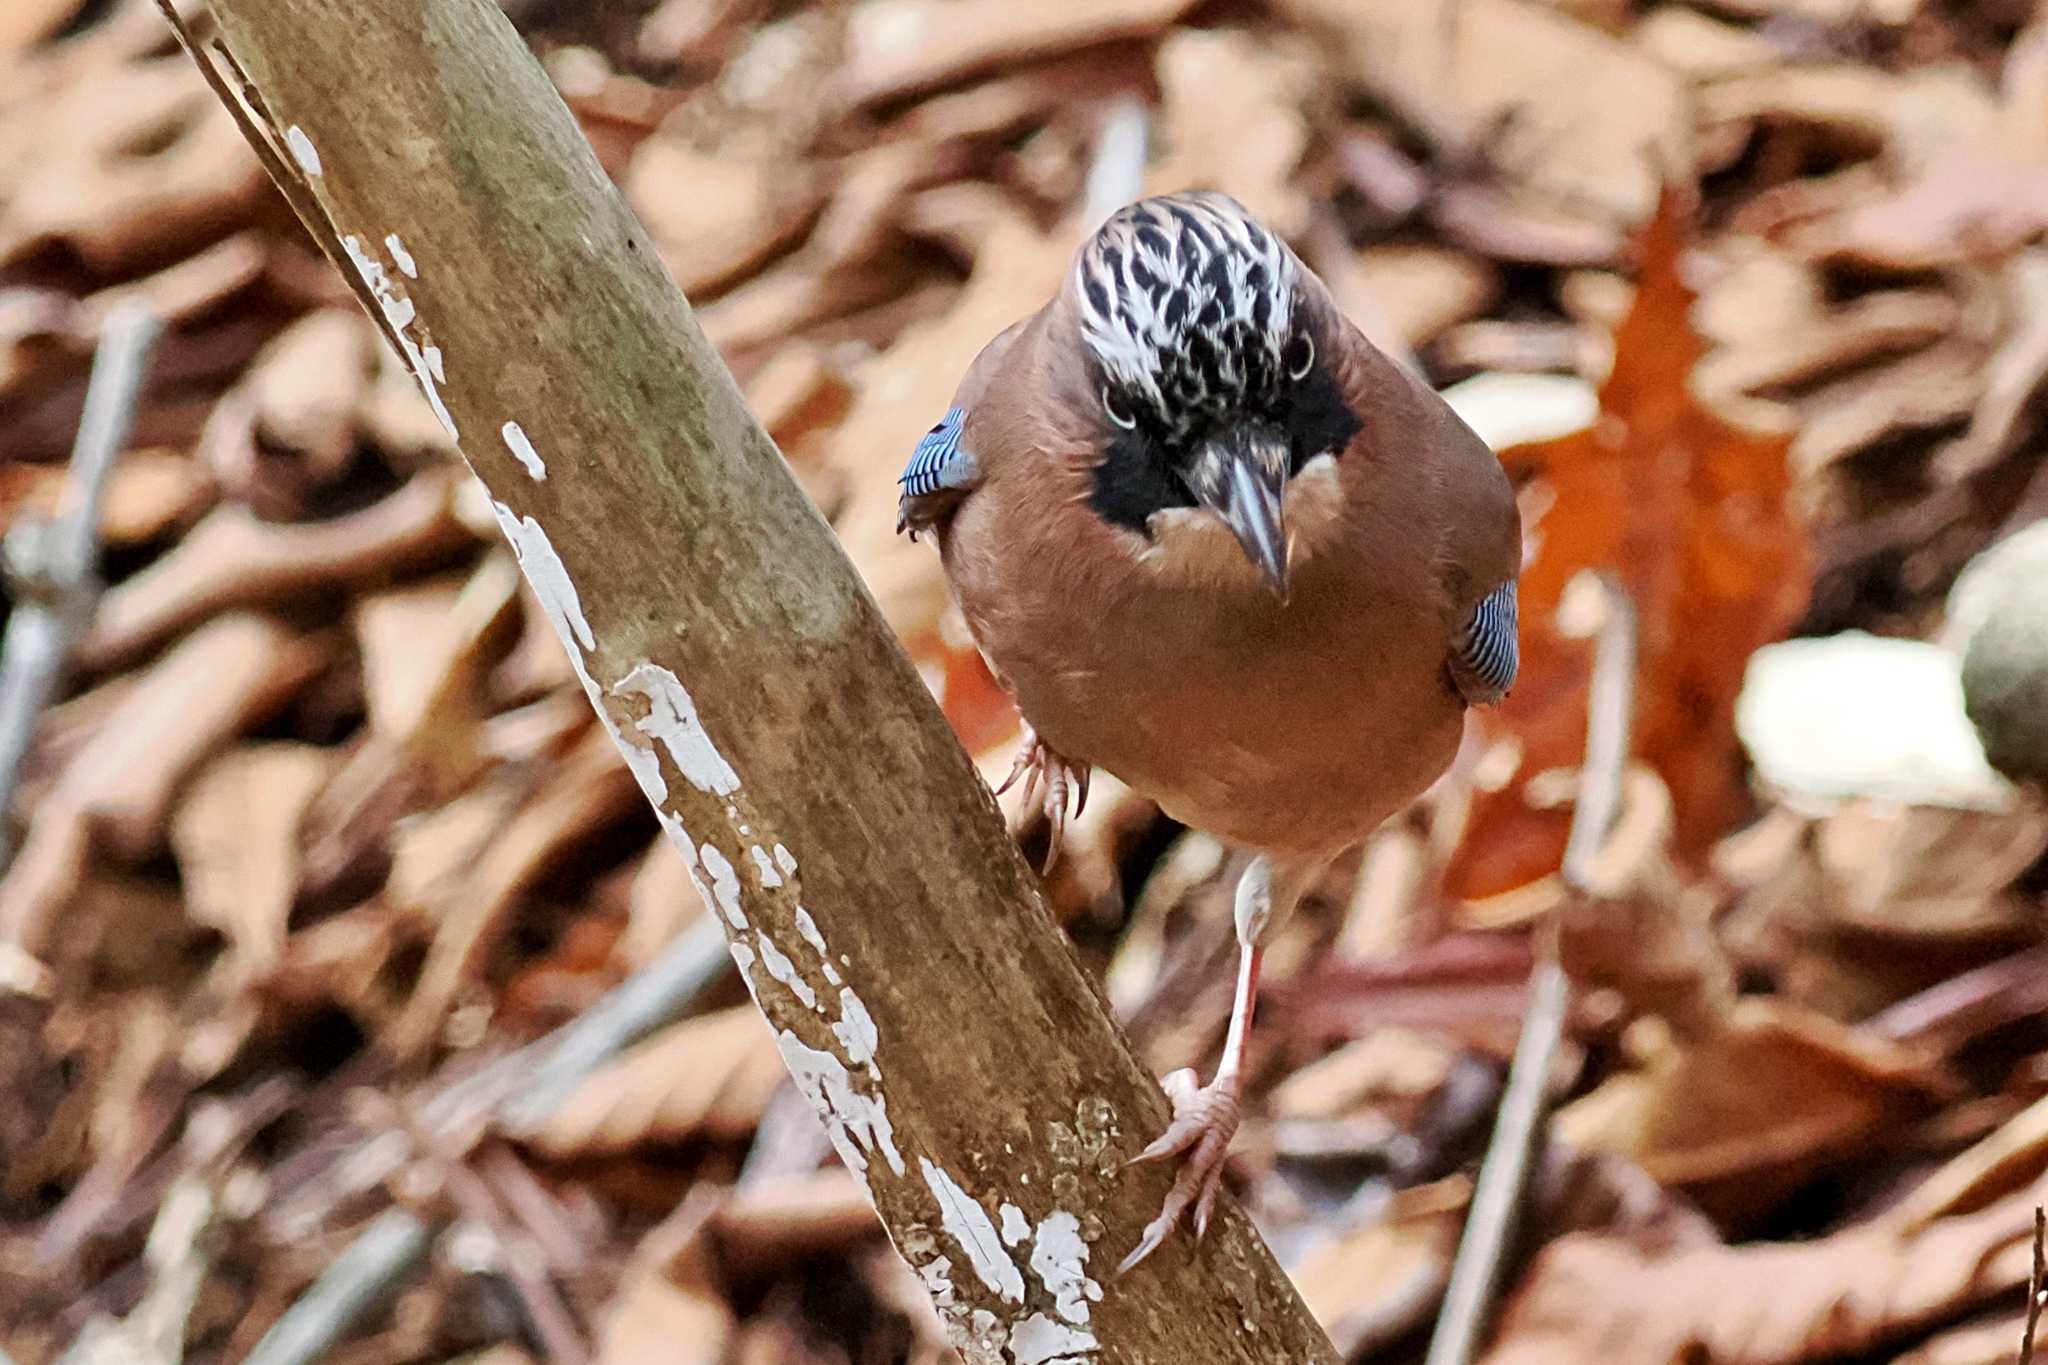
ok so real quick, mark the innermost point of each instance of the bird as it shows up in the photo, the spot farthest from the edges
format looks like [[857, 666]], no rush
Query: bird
[[1211, 539]]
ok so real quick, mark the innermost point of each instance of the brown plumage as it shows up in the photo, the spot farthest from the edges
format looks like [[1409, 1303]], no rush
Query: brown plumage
[[1213, 540]]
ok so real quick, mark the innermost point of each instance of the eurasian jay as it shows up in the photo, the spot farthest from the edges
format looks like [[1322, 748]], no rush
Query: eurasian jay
[[1210, 538]]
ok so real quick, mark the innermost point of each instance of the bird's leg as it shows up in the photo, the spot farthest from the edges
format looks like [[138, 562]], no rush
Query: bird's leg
[[1205, 1118], [1065, 788]]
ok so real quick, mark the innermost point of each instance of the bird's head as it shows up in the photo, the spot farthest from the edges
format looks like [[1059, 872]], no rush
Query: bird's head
[[1206, 354]]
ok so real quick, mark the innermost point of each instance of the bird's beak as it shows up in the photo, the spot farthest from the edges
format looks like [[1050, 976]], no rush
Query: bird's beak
[[1244, 481]]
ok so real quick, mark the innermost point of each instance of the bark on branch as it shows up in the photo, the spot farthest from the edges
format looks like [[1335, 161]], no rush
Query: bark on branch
[[924, 1000]]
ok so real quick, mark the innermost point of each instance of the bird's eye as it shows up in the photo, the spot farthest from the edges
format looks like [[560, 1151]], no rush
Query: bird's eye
[[1116, 414], [1299, 355]]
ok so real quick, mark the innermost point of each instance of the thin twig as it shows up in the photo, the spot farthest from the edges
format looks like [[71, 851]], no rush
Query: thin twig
[[55, 564], [651, 998], [518, 1257], [1475, 1274], [382, 1256], [516, 1091], [2037, 1288]]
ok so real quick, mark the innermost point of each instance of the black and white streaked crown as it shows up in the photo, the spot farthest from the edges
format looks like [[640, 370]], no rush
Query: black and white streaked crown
[[1187, 304]]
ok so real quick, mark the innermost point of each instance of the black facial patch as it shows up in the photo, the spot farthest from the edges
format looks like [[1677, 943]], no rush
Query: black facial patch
[[1145, 469], [1134, 480], [1315, 416]]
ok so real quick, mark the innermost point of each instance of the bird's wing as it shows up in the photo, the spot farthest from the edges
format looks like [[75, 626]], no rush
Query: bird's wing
[[942, 467], [940, 461], [1485, 652], [941, 471]]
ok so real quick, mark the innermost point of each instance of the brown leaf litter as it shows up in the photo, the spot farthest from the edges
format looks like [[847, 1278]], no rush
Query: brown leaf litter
[[321, 834]]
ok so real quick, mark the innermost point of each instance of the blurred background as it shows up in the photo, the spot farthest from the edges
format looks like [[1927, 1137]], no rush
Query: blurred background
[[317, 830]]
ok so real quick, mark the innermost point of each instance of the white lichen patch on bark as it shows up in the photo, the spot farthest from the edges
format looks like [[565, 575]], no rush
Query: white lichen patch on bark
[[1016, 1227], [302, 149], [784, 970], [808, 927], [399, 314], [672, 722], [1041, 1340], [563, 606], [549, 579], [725, 887], [853, 1107], [743, 958], [400, 257], [517, 441], [1059, 1257], [969, 1225], [856, 1029], [856, 1115], [858, 1123]]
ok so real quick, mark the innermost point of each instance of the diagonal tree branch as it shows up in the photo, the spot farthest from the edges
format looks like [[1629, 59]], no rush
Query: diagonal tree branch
[[924, 1001]]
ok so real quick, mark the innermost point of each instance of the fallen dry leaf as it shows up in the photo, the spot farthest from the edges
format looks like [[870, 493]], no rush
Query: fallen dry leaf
[[1375, 1284], [1975, 169], [668, 1306], [718, 219], [1744, 1112], [1230, 119], [231, 559], [1696, 519], [236, 837], [903, 392], [1589, 1297], [1578, 116], [1978, 1343], [29, 21], [2005, 1161], [118, 788], [857, 198], [427, 651], [776, 1218], [662, 902], [590, 791], [290, 424], [159, 171], [1423, 290], [187, 290], [710, 1076], [901, 47], [149, 495], [1925, 872], [1391, 1070]]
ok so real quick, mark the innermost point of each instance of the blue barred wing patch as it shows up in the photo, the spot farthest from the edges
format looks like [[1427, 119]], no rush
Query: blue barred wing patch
[[1487, 654], [939, 462]]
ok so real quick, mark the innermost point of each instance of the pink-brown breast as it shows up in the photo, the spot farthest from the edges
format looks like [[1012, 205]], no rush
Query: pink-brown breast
[[1290, 728]]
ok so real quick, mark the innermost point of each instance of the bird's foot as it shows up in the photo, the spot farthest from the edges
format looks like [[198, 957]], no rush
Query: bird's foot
[[1057, 787], [1205, 1118]]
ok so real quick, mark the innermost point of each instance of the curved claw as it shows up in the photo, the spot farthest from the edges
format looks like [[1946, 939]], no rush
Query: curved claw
[[1056, 787], [1204, 1121], [1018, 768]]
